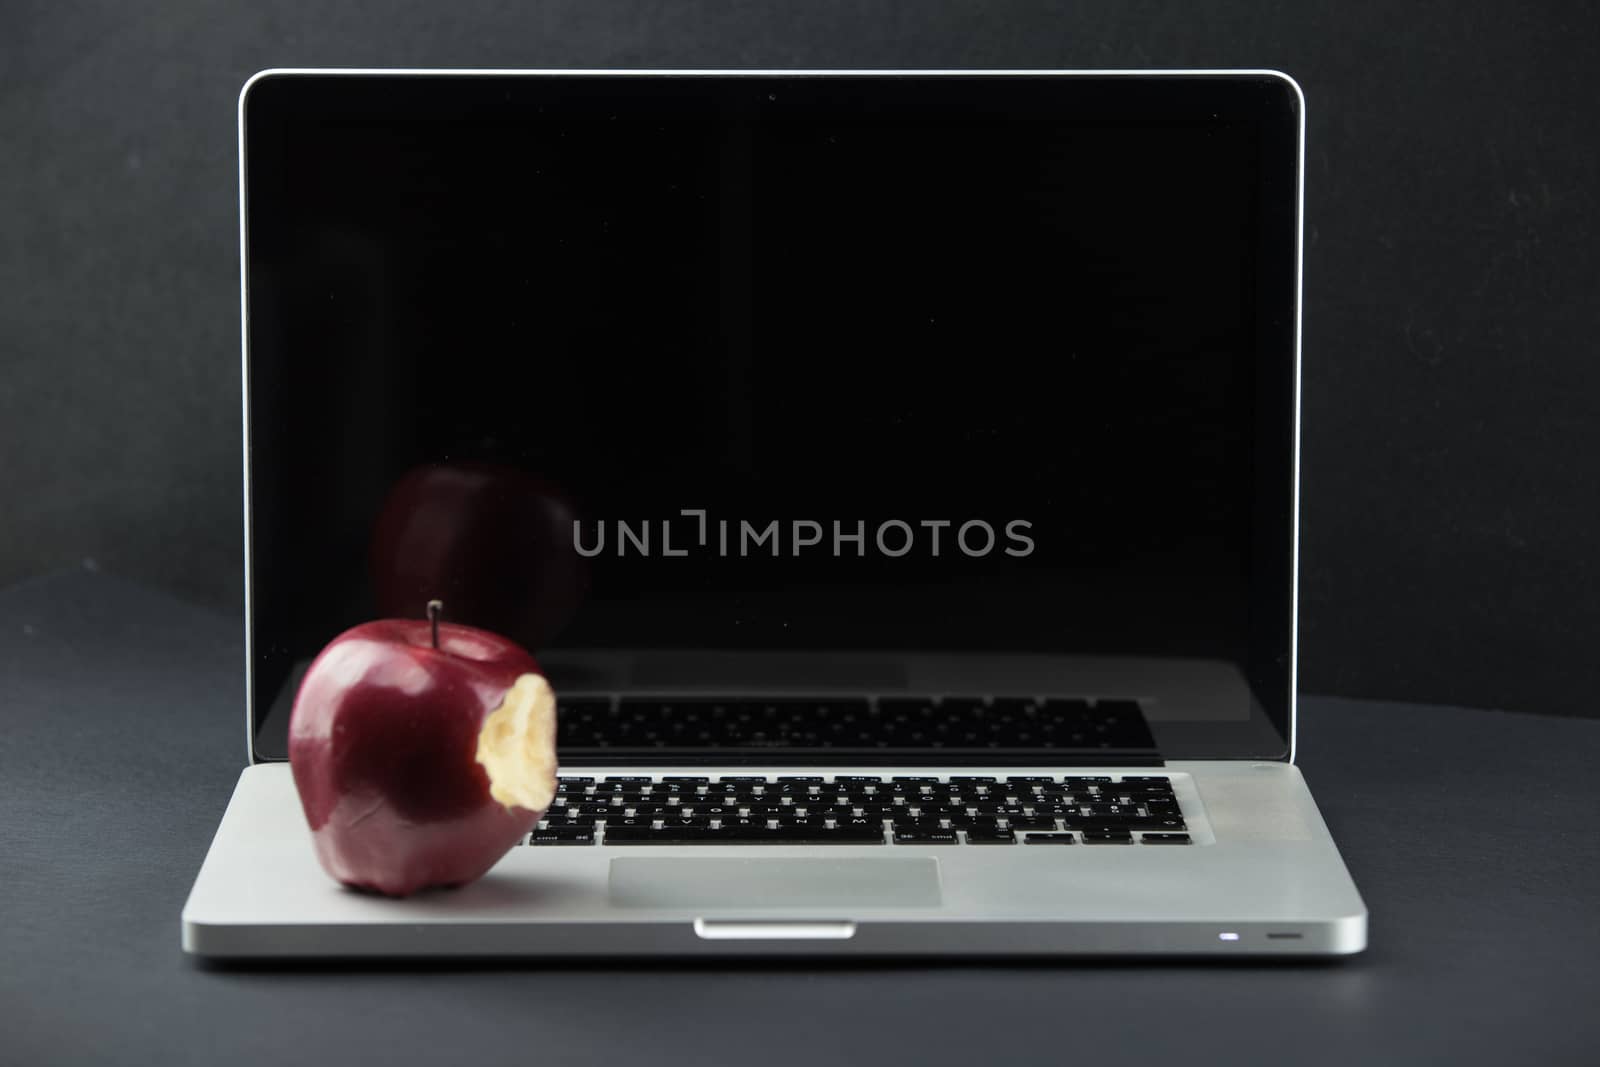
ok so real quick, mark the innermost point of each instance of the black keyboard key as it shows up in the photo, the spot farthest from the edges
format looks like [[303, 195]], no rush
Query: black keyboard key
[[976, 836], [1049, 839], [857, 779], [1123, 822], [941, 810], [1165, 839], [1145, 779], [1135, 791], [1031, 779], [844, 835], [666, 835], [679, 780], [746, 779], [970, 780], [808, 779], [591, 809], [925, 837], [1031, 822], [914, 778], [631, 779], [884, 810], [1112, 810], [1107, 837], [562, 837]]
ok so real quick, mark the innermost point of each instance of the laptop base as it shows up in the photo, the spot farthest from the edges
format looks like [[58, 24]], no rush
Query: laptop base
[[1261, 878]]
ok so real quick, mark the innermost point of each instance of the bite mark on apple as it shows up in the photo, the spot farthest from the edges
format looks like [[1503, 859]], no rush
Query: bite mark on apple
[[517, 745]]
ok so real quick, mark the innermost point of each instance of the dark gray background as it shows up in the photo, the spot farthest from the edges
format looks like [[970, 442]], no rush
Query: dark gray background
[[1452, 461]]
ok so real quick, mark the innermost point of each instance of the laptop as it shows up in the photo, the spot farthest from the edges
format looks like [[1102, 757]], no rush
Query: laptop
[[894, 473]]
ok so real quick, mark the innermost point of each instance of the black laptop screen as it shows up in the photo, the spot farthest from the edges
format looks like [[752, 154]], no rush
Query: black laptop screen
[[716, 392]]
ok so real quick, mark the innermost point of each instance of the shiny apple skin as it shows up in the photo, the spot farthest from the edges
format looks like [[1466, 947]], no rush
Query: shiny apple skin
[[495, 543], [383, 748]]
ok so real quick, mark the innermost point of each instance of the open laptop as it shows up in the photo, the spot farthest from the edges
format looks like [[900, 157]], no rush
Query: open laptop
[[894, 472]]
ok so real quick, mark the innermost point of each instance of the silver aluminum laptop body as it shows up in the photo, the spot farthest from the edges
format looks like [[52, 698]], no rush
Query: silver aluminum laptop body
[[1259, 875]]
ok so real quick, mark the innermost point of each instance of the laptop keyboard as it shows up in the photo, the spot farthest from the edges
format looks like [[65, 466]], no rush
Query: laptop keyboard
[[864, 810]]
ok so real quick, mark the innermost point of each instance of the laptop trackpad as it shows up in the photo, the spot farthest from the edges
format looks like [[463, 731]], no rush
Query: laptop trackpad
[[774, 884]]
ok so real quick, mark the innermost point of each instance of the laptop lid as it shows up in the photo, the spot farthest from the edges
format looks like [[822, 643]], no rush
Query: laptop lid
[[793, 417]]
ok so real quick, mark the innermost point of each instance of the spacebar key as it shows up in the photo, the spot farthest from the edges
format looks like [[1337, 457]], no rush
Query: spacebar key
[[638, 835]]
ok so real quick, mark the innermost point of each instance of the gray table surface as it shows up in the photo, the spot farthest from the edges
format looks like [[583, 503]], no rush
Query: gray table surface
[[1469, 833]]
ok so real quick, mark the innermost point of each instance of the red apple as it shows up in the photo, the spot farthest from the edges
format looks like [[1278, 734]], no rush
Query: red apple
[[422, 753], [494, 542]]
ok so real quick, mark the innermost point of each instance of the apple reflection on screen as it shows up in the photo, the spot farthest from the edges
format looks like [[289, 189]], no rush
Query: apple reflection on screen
[[493, 542]]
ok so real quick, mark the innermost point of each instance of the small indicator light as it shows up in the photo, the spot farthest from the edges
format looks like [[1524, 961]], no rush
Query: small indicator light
[[1228, 936]]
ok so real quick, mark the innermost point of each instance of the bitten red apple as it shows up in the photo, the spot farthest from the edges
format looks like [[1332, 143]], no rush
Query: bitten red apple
[[422, 751], [494, 542]]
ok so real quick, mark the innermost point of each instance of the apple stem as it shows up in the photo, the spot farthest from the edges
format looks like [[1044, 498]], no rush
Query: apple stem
[[435, 609]]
